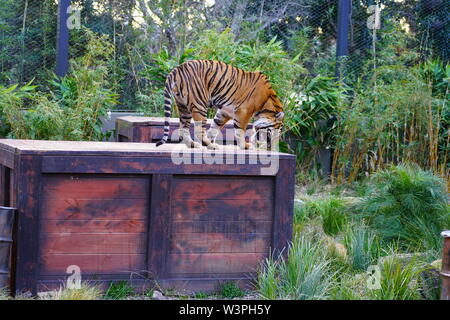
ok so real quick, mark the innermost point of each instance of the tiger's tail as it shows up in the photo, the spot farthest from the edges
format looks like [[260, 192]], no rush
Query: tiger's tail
[[167, 113]]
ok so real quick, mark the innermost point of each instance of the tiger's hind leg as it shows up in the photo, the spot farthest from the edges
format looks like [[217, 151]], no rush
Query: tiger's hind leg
[[220, 119], [200, 129], [185, 125]]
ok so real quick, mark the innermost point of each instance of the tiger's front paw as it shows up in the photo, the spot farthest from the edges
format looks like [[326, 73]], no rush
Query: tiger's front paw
[[246, 146], [196, 145], [213, 146]]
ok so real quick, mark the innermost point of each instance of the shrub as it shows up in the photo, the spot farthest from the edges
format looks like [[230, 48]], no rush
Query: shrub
[[408, 204], [72, 109], [230, 290]]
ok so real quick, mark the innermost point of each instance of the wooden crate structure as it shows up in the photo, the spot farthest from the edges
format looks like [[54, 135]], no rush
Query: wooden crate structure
[[126, 211], [151, 129]]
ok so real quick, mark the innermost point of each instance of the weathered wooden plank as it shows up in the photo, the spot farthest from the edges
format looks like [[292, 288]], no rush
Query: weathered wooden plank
[[201, 263], [284, 207], [7, 158], [56, 264], [93, 226], [90, 243], [243, 226], [221, 210], [184, 243], [28, 179], [235, 188], [150, 165], [98, 209], [159, 230], [94, 187]]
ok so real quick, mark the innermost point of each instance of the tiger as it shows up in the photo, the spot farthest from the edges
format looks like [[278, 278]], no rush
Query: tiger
[[238, 95]]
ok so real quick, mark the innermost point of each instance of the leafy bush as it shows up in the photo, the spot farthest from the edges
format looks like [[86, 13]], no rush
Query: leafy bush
[[231, 290], [72, 109], [305, 274], [312, 109], [408, 204]]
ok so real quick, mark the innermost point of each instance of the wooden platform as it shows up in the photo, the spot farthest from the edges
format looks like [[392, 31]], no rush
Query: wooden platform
[[151, 129], [128, 211]]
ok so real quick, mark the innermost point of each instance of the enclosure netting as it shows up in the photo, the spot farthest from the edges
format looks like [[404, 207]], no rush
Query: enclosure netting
[[139, 28]]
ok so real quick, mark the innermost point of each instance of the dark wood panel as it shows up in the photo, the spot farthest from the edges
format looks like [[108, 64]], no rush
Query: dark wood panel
[[89, 243], [159, 229], [219, 243], [244, 226], [152, 164], [7, 158], [221, 210], [56, 264], [223, 188], [97, 209], [284, 204], [27, 189], [214, 263], [94, 187], [94, 226]]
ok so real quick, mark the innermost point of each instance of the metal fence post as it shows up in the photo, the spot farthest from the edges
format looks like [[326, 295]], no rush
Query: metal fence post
[[344, 11], [62, 39], [445, 270]]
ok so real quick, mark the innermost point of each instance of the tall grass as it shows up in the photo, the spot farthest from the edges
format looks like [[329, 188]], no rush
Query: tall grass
[[87, 291], [407, 204], [398, 281], [331, 212], [363, 248], [401, 115], [305, 274]]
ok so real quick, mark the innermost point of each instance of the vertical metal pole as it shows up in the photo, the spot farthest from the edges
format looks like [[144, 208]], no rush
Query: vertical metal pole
[[344, 11], [445, 271], [62, 39]]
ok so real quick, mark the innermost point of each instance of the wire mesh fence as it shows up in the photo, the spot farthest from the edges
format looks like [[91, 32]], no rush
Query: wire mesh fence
[[140, 28]]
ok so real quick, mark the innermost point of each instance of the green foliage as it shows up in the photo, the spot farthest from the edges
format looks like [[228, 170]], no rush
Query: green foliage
[[331, 211], [230, 290], [363, 246], [201, 295], [268, 57], [399, 281], [74, 105], [119, 290], [161, 64], [305, 274], [408, 204], [311, 110]]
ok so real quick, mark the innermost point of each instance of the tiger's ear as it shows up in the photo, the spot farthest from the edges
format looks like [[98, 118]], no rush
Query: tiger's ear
[[279, 115]]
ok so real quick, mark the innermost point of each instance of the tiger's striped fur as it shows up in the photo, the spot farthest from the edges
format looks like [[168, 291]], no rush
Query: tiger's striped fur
[[236, 94]]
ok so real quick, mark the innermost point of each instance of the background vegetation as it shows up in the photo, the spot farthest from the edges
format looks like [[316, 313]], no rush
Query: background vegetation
[[383, 126], [390, 107]]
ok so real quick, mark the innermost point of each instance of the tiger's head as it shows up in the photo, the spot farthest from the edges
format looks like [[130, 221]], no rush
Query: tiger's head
[[268, 123]]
